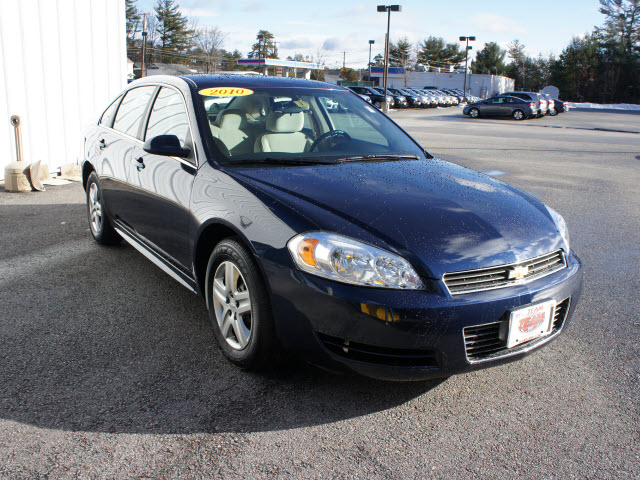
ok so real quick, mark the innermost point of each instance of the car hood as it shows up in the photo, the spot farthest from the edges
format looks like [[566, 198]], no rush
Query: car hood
[[440, 216]]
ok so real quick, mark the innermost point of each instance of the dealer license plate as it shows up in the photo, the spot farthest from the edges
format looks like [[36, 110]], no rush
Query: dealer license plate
[[529, 323]]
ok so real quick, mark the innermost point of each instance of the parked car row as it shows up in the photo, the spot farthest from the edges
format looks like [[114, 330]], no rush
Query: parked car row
[[518, 105], [412, 97]]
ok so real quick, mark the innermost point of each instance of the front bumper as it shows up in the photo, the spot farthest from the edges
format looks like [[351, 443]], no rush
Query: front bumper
[[403, 335]]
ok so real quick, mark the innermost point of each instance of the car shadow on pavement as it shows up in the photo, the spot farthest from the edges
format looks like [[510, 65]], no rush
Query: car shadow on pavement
[[98, 339]]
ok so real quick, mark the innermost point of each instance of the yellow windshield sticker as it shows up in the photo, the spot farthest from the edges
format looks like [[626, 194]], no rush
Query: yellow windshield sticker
[[225, 92], [301, 103]]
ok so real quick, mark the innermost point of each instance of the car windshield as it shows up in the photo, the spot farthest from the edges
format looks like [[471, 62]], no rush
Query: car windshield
[[300, 124]]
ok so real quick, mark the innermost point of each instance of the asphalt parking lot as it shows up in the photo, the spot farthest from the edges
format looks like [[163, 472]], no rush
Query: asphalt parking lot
[[108, 367]]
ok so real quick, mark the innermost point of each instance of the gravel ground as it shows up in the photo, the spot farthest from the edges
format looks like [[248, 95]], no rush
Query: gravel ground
[[108, 367]]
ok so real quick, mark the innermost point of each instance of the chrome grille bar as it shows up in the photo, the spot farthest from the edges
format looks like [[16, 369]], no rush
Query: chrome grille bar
[[498, 277]]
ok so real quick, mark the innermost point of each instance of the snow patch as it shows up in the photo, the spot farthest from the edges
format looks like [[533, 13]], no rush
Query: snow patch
[[611, 106]]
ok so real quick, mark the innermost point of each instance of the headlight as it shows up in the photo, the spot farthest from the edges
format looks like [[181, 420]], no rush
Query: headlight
[[349, 261], [562, 226]]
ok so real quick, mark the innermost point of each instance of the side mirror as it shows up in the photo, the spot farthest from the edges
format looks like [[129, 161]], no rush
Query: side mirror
[[167, 145]]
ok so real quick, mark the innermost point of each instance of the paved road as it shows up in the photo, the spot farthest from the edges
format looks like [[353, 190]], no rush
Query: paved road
[[108, 369]]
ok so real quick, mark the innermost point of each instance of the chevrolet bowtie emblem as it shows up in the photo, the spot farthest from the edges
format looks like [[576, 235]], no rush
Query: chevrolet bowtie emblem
[[516, 273]]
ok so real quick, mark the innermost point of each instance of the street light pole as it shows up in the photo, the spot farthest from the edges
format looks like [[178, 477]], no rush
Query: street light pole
[[371, 42], [466, 60], [388, 9]]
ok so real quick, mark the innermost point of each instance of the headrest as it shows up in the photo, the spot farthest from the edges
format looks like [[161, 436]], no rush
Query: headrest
[[230, 118], [278, 122]]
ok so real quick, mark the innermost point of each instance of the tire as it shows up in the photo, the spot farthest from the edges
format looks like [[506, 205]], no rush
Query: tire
[[239, 307], [99, 223], [518, 115], [553, 112], [474, 113]]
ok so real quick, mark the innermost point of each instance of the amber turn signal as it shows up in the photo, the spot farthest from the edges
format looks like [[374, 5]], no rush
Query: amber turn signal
[[306, 248]]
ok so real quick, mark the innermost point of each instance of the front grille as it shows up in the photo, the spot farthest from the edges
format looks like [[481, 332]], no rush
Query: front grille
[[498, 277], [484, 340], [560, 315], [490, 340], [396, 357]]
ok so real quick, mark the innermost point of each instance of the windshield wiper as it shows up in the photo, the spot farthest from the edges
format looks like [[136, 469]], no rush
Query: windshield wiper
[[380, 156], [281, 161]]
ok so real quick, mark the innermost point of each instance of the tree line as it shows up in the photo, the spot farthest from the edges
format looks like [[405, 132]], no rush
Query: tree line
[[602, 66], [174, 38]]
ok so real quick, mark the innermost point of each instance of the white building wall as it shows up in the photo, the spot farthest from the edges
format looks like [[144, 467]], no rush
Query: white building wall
[[482, 86], [61, 61]]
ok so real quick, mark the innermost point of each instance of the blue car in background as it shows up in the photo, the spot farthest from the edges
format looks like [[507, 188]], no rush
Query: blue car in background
[[309, 221]]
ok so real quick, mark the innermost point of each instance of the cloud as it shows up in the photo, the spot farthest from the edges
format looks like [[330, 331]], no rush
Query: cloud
[[297, 43], [253, 5], [333, 43], [496, 23], [301, 22], [199, 12]]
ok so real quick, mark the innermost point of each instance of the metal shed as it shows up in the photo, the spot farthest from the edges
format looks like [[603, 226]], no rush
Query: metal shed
[[60, 63]]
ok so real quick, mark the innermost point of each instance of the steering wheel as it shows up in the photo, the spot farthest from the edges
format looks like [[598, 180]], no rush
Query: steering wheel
[[330, 134]]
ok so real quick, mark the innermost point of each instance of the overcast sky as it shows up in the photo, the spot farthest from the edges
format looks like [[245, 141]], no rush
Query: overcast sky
[[302, 27]]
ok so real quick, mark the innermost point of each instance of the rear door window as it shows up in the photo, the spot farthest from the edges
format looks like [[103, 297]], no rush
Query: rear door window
[[132, 110]]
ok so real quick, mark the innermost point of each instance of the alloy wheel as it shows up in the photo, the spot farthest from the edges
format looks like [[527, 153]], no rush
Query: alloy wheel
[[473, 113], [232, 305], [95, 209], [518, 115]]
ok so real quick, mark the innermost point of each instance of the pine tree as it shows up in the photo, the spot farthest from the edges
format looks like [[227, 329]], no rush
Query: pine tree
[[490, 59], [265, 47], [619, 41], [133, 20], [400, 53], [434, 50], [174, 35]]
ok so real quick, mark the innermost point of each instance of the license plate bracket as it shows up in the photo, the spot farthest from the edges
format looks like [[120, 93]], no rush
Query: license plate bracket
[[530, 322]]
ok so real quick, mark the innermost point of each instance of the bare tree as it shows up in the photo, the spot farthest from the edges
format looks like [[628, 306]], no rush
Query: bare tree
[[320, 57], [209, 41]]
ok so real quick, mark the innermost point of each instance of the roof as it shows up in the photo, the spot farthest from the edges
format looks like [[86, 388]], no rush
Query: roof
[[249, 81], [275, 62]]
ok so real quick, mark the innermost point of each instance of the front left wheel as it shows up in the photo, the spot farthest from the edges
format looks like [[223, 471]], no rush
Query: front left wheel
[[239, 308]]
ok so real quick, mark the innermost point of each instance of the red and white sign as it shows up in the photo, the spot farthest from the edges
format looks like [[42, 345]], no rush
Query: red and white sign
[[529, 323]]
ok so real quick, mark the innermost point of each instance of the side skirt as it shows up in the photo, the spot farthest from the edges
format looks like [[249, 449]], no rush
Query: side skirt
[[179, 277]]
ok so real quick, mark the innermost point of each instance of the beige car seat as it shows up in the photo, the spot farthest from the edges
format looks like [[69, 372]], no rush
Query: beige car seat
[[283, 134], [230, 128]]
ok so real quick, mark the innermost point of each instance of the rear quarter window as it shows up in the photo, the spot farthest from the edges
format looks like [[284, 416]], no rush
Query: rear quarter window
[[107, 117]]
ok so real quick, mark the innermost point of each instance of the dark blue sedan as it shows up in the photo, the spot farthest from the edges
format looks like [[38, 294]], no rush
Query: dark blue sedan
[[309, 221]]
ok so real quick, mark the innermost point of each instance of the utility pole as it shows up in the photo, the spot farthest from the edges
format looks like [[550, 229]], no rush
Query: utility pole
[[144, 43], [344, 60]]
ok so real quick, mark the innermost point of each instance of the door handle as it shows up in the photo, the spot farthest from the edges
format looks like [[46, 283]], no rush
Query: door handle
[[140, 163], [103, 144]]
